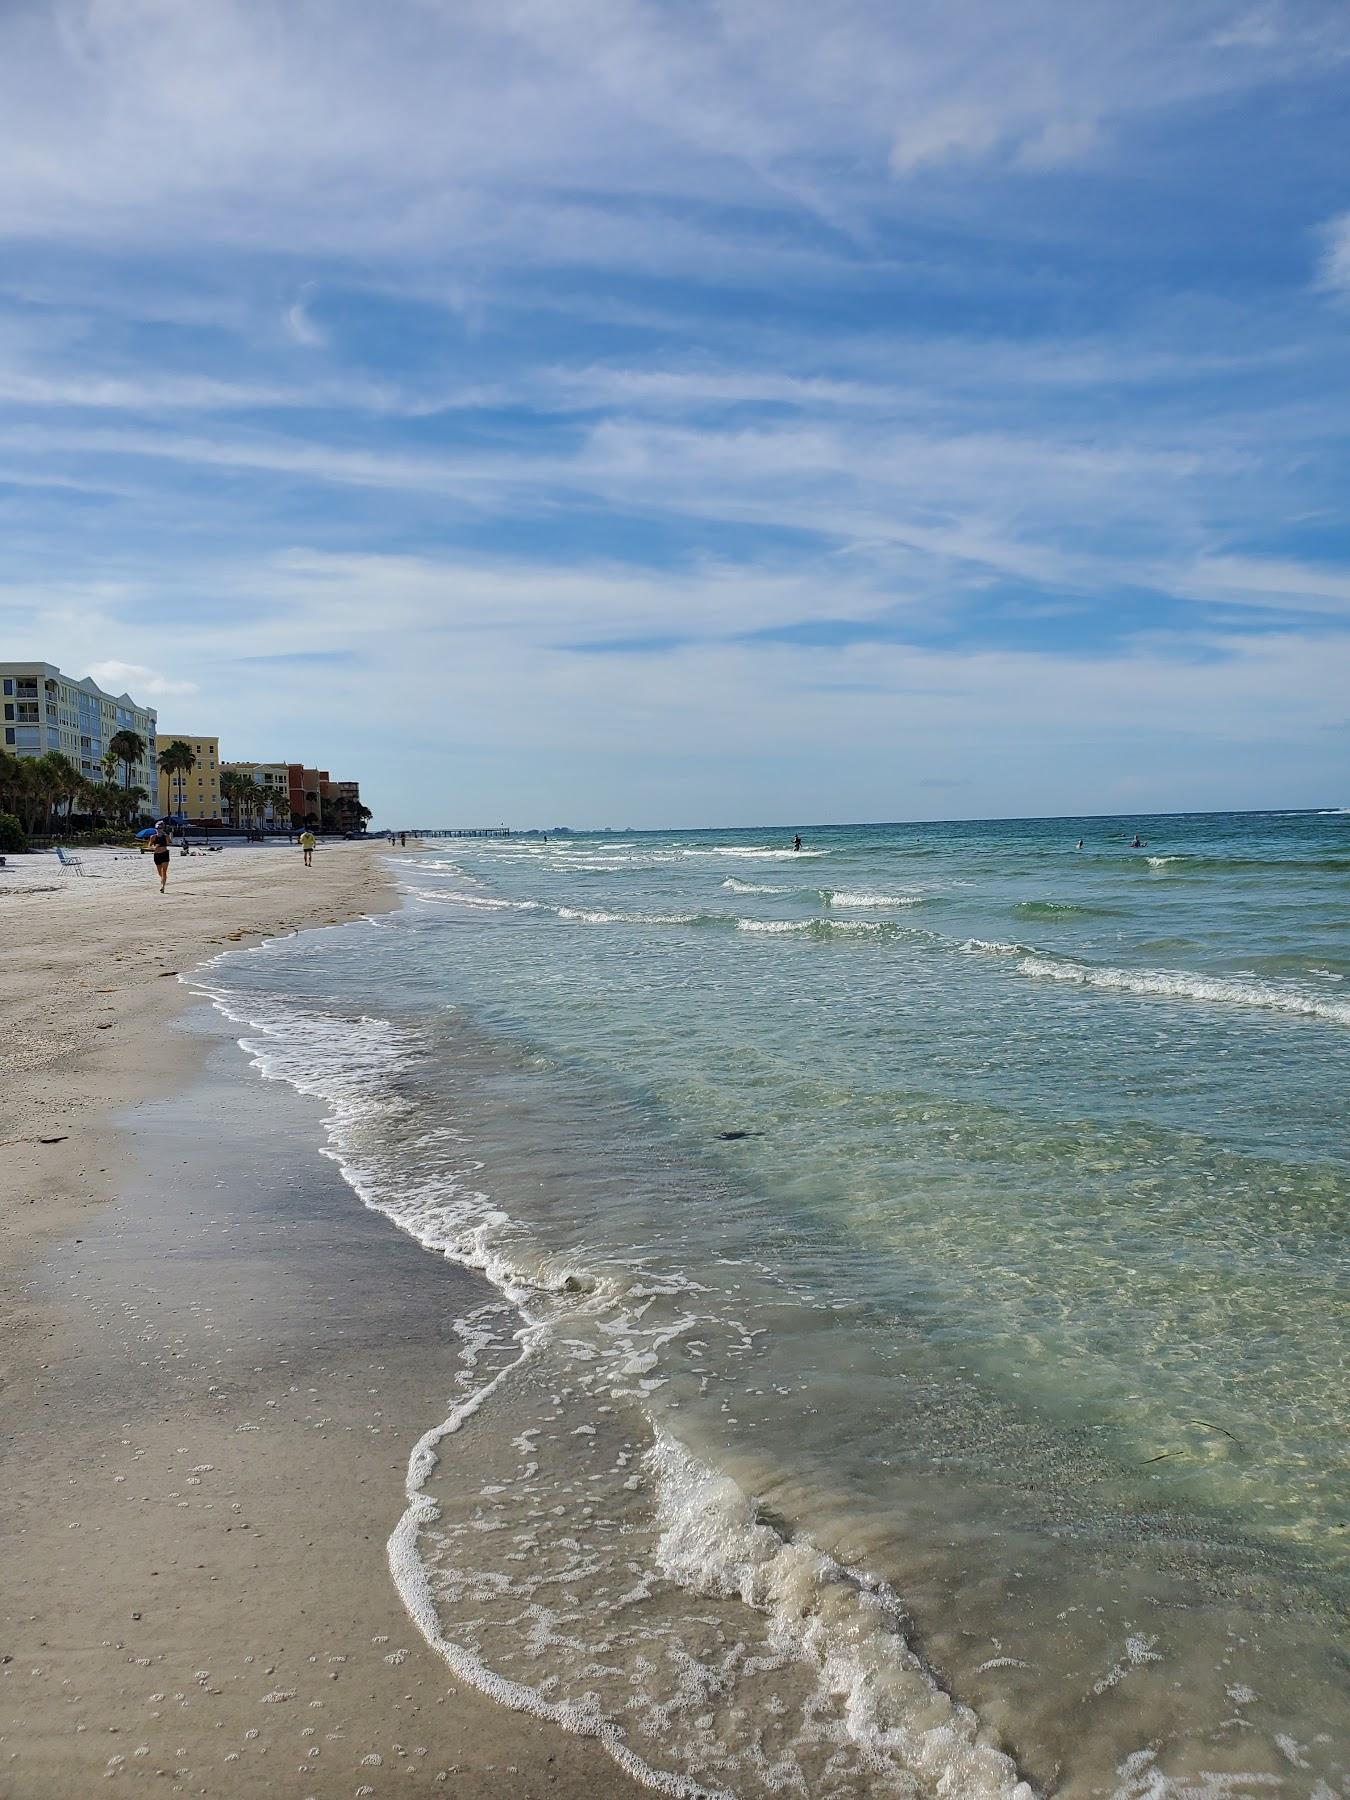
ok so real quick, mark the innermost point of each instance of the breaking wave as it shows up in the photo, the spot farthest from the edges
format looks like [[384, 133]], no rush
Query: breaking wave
[[847, 897], [1179, 984]]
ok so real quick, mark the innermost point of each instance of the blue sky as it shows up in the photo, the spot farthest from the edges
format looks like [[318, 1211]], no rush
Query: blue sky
[[582, 410]]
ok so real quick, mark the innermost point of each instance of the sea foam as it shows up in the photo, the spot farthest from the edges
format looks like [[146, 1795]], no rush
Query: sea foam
[[1179, 984], [848, 897], [844, 1629], [848, 1629]]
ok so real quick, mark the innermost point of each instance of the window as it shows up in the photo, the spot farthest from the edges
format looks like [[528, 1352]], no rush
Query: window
[[9, 684], [9, 734]]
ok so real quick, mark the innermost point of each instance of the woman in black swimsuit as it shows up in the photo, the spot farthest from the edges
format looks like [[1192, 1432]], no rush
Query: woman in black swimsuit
[[159, 843]]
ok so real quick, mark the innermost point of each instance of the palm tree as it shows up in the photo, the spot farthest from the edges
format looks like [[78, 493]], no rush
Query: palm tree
[[233, 784], [20, 788], [105, 798], [59, 782], [129, 748], [178, 760], [258, 801]]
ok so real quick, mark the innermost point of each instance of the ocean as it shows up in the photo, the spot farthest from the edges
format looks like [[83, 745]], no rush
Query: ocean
[[919, 1365]]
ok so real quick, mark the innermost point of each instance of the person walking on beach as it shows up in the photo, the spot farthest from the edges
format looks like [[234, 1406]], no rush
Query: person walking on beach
[[307, 845], [160, 845]]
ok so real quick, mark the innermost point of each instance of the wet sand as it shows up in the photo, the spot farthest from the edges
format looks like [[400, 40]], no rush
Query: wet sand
[[215, 1364]]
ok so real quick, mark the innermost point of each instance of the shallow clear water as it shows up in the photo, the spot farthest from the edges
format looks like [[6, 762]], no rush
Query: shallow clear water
[[929, 1252]]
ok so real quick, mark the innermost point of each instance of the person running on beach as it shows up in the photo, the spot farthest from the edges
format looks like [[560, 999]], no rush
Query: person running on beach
[[307, 845], [159, 843]]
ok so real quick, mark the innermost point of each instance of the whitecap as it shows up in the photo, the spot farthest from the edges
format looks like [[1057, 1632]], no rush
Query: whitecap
[[1180, 984], [846, 897], [758, 855]]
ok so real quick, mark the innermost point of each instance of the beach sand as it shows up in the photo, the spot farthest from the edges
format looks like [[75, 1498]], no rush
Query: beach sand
[[215, 1362]]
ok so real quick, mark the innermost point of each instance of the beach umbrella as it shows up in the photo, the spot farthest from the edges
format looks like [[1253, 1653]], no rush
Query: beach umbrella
[[148, 832]]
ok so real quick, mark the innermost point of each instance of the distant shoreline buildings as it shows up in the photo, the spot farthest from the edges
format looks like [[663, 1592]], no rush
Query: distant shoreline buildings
[[46, 711]]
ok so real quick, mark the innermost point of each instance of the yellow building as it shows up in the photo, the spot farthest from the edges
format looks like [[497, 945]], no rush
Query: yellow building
[[196, 793]]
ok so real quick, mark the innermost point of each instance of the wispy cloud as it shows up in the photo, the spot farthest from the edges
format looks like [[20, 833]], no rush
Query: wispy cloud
[[848, 386], [1335, 270], [1262, 581], [299, 323]]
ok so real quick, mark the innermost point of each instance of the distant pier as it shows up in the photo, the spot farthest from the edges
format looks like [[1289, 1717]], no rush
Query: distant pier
[[488, 831]]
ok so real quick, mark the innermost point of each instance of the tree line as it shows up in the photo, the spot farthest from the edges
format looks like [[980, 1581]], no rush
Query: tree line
[[37, 790]]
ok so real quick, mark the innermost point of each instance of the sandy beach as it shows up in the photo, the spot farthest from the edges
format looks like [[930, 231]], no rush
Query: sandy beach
[[215, 1363]]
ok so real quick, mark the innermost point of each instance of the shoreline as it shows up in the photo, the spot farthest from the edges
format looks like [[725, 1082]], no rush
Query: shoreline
[[85, 957], [146, 1610]]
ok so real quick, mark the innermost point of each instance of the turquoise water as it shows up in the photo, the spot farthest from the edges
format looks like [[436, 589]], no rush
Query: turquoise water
[[939, 1232]]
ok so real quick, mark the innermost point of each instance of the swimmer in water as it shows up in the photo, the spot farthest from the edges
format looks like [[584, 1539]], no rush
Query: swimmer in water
[[796, 843]]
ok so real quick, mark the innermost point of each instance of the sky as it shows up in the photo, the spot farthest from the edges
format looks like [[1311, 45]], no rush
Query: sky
[[735, 411]]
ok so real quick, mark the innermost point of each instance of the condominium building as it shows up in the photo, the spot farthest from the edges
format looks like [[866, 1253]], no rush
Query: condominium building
[[306, 792], [44, 709], [274, 780], [196, 792]]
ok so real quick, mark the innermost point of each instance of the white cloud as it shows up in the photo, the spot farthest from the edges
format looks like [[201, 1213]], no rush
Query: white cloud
[[299, 324], [462, 179], [948, 134], [1280, 584], [138, 681], [1335, 271], [421, 129], [493, 694]]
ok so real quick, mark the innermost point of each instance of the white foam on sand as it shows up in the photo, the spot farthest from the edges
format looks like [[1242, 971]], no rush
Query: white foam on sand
[[847, 1629], [843, 1627], [414, 1588]]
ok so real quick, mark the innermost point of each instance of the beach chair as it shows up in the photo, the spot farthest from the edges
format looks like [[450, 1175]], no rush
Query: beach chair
[[69, 862]]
